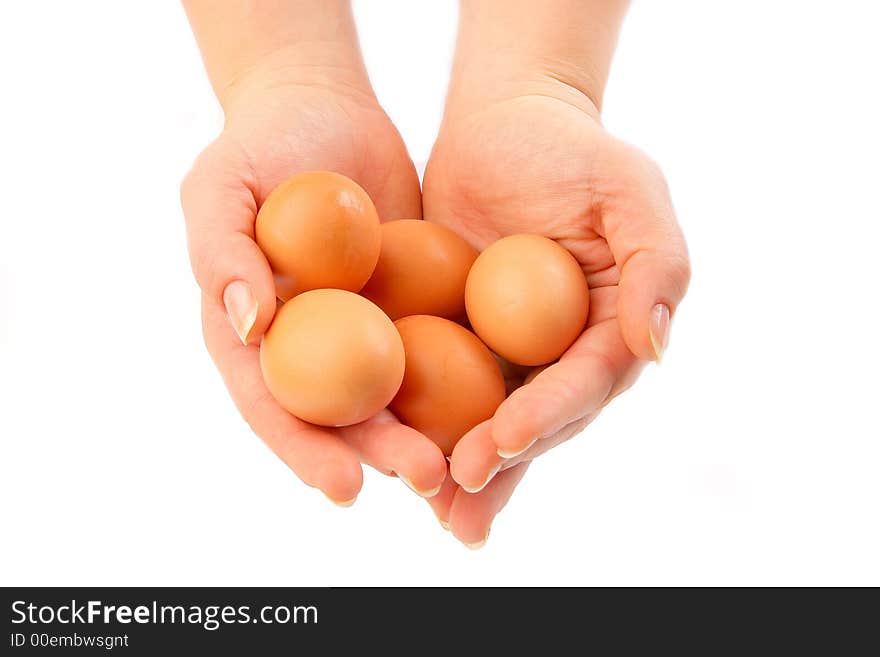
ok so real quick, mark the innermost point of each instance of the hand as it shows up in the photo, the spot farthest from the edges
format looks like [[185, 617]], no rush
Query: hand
[[539, 161], [310, 120]]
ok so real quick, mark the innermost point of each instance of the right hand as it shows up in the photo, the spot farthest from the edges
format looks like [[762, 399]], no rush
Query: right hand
[[311, 121]]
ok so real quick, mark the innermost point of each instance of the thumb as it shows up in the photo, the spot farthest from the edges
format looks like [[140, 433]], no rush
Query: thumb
[[650, 252], [220, 211]]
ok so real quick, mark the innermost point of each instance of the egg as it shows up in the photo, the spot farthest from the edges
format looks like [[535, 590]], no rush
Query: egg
[[422, 270], [527, 299], [452, 382], [331, 357], [319, 230]]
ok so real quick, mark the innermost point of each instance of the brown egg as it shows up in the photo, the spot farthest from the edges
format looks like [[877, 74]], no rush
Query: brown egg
[[422, 270], [319, 230], [332, 358], [452, 381], [527, 299]]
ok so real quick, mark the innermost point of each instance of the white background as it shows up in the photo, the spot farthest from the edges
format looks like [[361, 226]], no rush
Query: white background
[[751, 456]]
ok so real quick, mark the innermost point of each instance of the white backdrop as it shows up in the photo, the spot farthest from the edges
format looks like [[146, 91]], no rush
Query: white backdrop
[[750, 456]]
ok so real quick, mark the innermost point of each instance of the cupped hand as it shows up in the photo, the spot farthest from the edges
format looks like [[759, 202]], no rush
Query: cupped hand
[[542, 163], [274, 130]]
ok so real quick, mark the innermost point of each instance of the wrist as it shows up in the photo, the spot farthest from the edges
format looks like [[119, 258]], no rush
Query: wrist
[[481, 84], [328, 67], [256, 46], [557, 48]]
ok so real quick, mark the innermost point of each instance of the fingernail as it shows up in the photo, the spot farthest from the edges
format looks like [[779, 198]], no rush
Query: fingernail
[[443, 523], [241, 306], [424, 493], [659, 329], [512, 454], [485, 483], [345, 503], [479, 544]]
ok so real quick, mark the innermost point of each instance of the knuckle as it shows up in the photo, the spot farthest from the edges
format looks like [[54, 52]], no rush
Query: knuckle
[[205, 257], [186, 185], [190, 182], [653, 169], [200, 170], [206, 333], [603, 369], [256, 410], [678, 267]]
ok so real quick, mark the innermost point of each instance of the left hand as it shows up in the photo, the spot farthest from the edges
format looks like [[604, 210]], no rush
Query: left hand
[[542, 163]]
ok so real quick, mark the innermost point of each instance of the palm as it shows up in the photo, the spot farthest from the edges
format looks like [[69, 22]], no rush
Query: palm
[[316, 129], [530, 165]]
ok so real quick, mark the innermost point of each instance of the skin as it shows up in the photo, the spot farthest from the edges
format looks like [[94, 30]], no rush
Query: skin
[[296, 97], [296, 106], [566, 178]]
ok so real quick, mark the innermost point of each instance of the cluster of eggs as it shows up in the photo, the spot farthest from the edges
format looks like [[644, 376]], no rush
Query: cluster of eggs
[[403, 314]]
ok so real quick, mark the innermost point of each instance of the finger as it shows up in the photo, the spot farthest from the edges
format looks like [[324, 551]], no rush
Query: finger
[[220, 211], [546, 444], [391, 447], [648, 246], [471, 515], [596, 367], [478, 461], [317, 456], [475, 458], [441, 503]]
